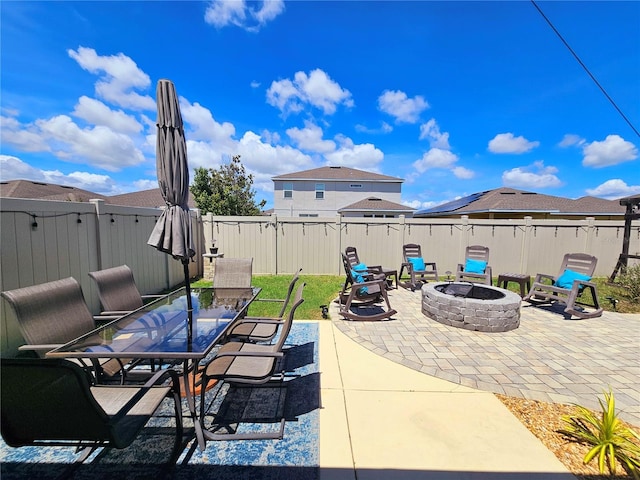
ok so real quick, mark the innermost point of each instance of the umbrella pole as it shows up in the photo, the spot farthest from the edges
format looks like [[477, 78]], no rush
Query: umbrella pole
[[185, 265]]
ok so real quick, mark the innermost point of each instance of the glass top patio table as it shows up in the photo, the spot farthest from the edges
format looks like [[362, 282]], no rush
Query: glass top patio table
[[160, 329]]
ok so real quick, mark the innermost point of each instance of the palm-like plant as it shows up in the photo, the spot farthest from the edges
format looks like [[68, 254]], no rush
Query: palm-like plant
[[609, 439]]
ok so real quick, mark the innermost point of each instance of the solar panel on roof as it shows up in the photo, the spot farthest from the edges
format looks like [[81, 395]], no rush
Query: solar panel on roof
[[451, 206]]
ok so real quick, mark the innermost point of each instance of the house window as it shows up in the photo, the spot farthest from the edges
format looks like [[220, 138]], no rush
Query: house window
[[287, 190], [319, 191]]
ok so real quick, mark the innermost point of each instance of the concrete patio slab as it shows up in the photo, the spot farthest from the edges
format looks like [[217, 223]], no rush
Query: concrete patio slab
[[400, 423]]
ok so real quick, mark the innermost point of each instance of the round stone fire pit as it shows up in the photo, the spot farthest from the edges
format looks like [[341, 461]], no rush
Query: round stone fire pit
[[471, 306]]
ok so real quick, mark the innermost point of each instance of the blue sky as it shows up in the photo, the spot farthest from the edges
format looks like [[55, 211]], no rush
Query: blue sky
[[453, 97]]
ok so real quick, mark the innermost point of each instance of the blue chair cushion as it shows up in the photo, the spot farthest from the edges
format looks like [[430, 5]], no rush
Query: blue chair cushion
[[358, 278], [360, 267], [475, 266], [568, 276], [417, 263]]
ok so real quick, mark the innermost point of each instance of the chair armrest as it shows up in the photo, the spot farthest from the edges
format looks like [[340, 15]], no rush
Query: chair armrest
[[152, 296], [105, 318], [408, 265], [275, 300], [249, 354], [265, 320], [583, 283], [40, 347], [111, 313], [375, 268], [543, 276]]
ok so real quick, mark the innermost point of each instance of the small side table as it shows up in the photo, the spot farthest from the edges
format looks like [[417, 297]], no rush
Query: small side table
[[522, 279], [388, 272]]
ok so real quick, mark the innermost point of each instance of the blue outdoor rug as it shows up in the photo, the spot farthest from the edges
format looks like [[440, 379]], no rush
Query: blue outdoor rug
[[296, 456]]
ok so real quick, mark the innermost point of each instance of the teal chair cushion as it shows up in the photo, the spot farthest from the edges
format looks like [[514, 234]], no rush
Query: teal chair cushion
[[417, 263], [475, 266], [568, 276]]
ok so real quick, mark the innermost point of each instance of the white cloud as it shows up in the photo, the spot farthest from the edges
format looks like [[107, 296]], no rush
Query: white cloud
[[570, 140], [436, 158], [611, 151], [316, 89], [310, 138], [507, 143], [12, 168], [463, 173], [613, 189], [145, 184], [255, 84], [398, 105], [270, 159], [431, 132], [120, 76], [200, 124], [221, 13], [534, 176], [384, 128], [96, 112], [99, 145], [26, 138], [363, 156]]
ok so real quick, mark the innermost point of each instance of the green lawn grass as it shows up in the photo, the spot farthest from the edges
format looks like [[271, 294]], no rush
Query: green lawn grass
[[320, 290], [323, 289]]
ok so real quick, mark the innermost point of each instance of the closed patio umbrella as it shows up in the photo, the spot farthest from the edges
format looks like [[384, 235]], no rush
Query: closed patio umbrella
[[172, 232]]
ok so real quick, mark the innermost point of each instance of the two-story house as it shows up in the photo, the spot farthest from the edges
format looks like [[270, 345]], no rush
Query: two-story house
[[329, 191]]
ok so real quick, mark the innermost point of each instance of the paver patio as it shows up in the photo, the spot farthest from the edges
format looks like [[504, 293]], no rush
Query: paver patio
[[547, 358]]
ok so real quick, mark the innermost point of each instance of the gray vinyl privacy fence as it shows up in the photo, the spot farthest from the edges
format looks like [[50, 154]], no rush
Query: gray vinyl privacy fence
[[48, 240]]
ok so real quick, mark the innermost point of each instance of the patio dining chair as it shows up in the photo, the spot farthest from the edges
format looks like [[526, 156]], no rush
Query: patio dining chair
[[53, 313], [232, 272], [418, 270], [245, 364], [568, 286], [263, 329], [476, 268], [51, 402], [118, 291]]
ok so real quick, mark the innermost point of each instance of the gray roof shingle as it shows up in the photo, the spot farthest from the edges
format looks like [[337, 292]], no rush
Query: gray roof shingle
[[337, 174], [376, 204], [511, 200]]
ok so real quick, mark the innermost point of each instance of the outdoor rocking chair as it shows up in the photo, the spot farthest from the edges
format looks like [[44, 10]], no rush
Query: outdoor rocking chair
[[476, 268], [373, 271], [263, 329], [418, 270], [574, 277], [362, 292], [51, 402], [250, 365]]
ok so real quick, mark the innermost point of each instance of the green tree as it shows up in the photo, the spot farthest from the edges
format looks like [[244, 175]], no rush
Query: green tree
[[225, 191]]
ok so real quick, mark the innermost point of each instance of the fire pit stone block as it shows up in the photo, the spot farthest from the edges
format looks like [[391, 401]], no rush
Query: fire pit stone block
[[496, 315]]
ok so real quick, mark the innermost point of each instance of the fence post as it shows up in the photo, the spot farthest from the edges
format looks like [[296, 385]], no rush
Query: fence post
[[401, 226], [464, 236], [591, 232], [337, 256], [274, 222], [526, 245], [100, 235]]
